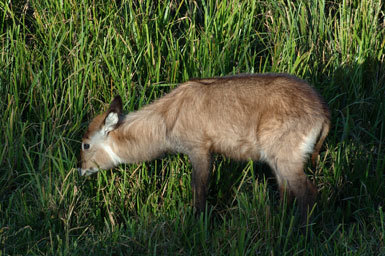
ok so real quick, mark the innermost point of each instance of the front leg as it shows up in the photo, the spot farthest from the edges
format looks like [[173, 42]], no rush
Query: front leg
[[201, 161]]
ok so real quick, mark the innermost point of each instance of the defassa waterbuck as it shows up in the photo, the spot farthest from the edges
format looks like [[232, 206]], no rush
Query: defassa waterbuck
[[275, 118]]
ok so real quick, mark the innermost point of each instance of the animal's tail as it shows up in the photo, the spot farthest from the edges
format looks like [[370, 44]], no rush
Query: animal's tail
[[324, 132]]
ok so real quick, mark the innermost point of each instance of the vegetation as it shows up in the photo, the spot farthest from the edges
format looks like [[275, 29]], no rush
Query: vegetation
[[60, 61]]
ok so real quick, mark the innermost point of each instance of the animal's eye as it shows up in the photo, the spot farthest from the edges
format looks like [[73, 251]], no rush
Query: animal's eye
[[86, 146]]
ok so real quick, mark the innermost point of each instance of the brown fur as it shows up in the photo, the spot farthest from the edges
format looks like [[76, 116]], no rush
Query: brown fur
[[275, 118]]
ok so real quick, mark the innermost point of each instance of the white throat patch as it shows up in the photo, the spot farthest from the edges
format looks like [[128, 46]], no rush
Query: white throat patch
[[114, 157]]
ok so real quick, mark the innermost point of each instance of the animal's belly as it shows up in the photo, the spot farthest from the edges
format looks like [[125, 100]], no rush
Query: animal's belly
[[238, 148]]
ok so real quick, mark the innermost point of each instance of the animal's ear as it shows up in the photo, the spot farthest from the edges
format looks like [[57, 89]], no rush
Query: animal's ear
[[116, 105], [113, 115]]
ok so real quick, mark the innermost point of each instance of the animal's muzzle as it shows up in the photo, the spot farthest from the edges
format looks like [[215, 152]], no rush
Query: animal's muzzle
[[88, 172]]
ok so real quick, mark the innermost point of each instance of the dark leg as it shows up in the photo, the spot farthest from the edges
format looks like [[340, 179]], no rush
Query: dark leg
[[305, 192], [293, 181], [199, 180], [285, 193]]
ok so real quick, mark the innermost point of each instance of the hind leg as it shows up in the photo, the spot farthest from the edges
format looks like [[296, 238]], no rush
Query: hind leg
[[285, 193], [293, 181]]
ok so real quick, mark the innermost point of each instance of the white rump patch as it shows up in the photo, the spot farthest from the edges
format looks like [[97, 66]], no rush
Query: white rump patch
[[307, 145]]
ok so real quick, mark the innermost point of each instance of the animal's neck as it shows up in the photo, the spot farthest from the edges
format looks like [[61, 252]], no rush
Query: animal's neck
[[141, 137]]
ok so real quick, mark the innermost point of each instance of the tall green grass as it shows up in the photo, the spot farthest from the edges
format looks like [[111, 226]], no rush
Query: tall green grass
[[61, 61]]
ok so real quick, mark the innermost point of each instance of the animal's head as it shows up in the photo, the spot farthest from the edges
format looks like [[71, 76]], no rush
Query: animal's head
[[96, 152]]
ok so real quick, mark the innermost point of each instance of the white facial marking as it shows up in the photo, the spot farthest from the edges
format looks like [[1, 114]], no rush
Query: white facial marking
[[98, 138], [100, 141]]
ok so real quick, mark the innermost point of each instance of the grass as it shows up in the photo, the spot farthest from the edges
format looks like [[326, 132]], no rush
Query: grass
[[61, 61]]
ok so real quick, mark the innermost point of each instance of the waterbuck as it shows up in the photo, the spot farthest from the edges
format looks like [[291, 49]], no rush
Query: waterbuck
[[275, 118]]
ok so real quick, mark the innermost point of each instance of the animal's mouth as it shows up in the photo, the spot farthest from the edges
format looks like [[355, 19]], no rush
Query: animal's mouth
[[87, 172]]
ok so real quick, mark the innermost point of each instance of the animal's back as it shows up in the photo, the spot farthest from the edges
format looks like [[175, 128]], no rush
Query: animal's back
[[244, 116]]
